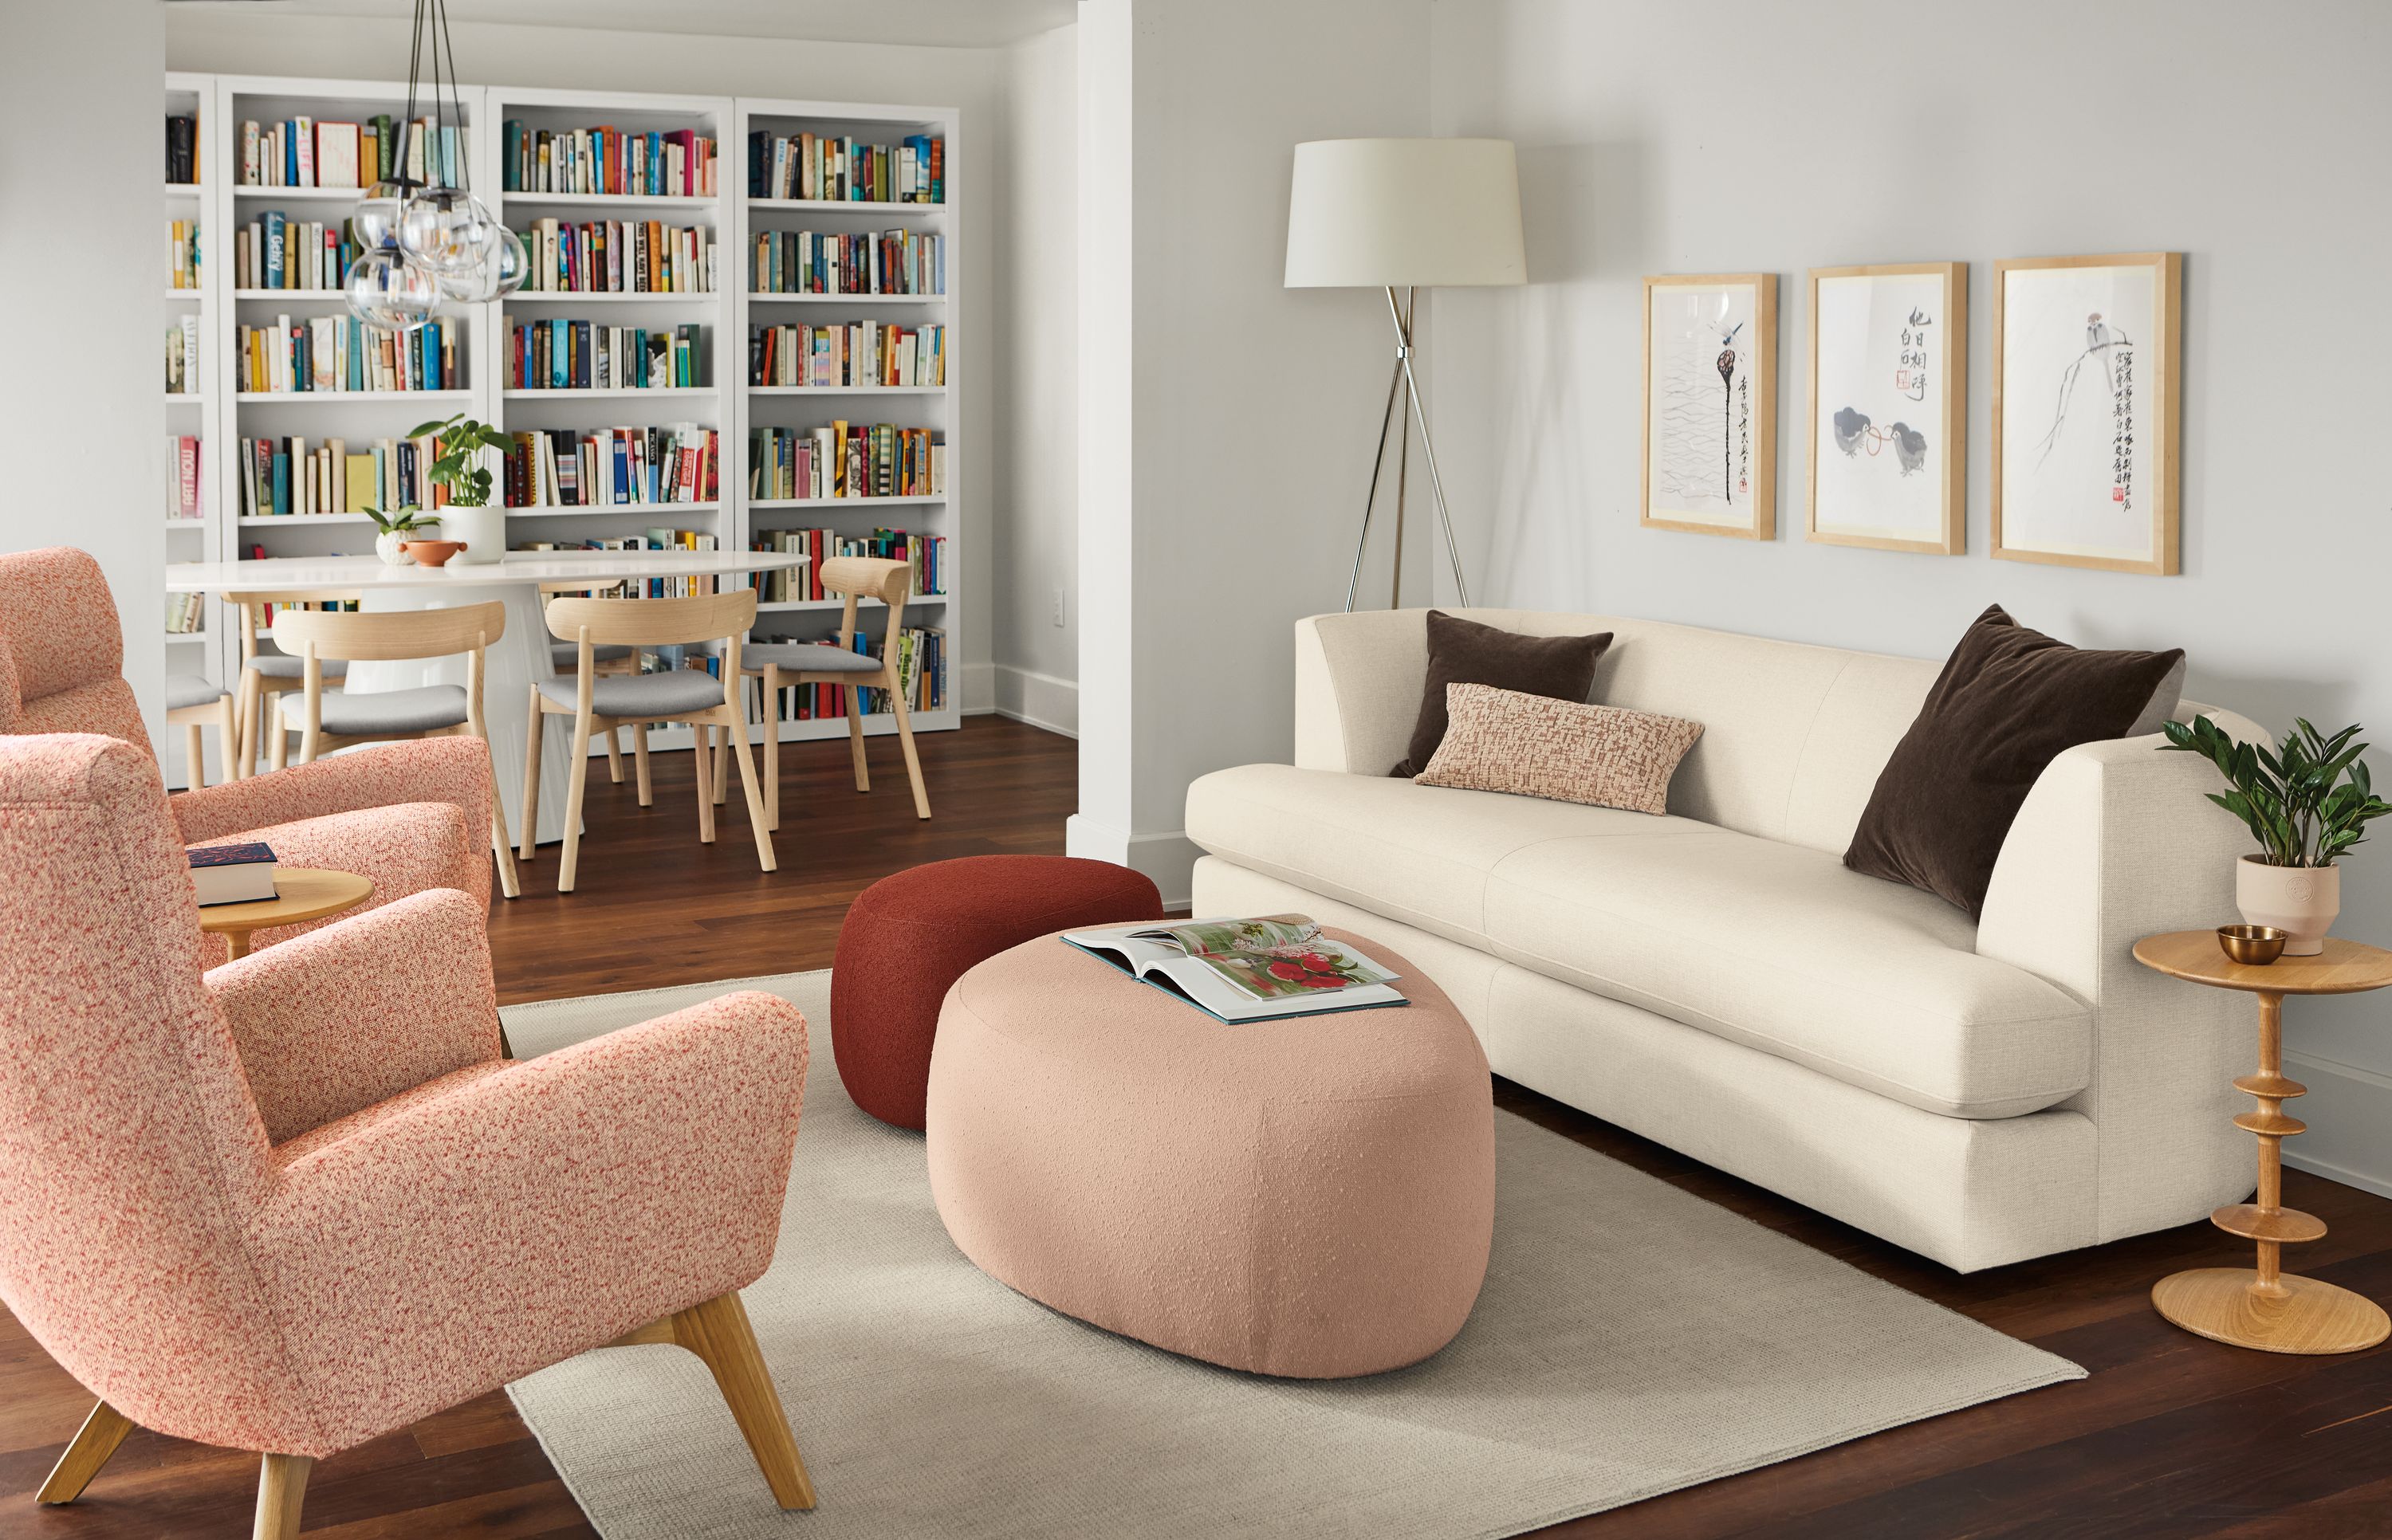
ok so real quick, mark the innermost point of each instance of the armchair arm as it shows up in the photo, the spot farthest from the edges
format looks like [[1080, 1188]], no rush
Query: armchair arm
[[332, 1021], [378, 775], [2116, 842], [530, 1214]]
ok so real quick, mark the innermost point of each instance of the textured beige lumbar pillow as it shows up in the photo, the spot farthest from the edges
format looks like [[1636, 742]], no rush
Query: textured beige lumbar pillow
[[1533, 745]]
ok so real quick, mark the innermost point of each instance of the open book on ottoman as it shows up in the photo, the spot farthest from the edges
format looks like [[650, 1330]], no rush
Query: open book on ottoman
[[1246, 970]]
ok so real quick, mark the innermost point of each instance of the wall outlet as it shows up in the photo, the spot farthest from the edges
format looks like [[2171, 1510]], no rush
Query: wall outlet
[[1059, 606]]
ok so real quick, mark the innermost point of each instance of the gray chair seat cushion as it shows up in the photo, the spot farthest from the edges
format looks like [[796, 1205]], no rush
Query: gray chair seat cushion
[[184, 690], [639, 695], [347, 716], [282, 665], [568, 654], [807, 658]]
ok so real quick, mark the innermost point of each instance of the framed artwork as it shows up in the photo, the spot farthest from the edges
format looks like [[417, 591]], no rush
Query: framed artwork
[[2088, 362], [1888, 406], [1711, 404]]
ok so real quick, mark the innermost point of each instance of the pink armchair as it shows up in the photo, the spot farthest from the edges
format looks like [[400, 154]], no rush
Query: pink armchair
[[300, 1201], [409, 816]]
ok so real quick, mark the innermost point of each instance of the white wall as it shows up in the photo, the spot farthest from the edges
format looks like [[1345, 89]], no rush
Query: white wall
[[1035, 337], [1739, 135], [1224, 419], [261, 40], [82, 157]]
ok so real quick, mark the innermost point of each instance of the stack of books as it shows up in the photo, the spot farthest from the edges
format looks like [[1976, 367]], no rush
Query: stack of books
[[185, 613], [847, 353], [615, 256], [614, 467], [809, 262], [841, 169], [183, 376], [926, 553], [302, 153], [285, 476], [182, 476], [340, 353], [182, 254], [569, 355], [846, 460], [182, 151], [677, 165], [274, 251]]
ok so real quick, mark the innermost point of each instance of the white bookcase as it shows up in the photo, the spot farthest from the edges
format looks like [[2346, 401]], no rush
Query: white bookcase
[[190, 414], [936, 406], [724, 314]]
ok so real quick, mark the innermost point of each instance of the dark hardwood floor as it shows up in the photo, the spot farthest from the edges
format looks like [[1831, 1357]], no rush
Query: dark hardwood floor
[[2171, 1436]]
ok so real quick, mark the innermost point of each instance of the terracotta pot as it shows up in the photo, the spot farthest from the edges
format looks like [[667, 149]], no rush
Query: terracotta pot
[[433, 554], [2301, 900]]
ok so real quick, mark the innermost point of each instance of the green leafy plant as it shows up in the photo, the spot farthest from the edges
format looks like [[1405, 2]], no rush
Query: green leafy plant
[[402, 521], [2307, 803], [462, 441]]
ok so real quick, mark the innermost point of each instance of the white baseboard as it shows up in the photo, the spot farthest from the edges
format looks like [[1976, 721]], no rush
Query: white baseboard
[[980, 690], [2349, 1113], [1168, 859], [1041, 700]]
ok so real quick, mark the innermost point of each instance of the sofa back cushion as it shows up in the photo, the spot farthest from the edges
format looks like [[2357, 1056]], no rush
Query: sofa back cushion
[[1793, 735]]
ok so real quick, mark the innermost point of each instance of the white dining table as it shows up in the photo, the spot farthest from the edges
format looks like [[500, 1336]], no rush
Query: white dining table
[[521, 656]]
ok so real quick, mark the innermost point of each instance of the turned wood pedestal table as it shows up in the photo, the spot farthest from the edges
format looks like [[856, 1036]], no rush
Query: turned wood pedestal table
[[301, 893], [2264, 1307]]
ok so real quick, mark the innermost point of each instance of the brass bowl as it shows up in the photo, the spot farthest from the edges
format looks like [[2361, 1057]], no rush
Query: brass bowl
[[2254, 945]]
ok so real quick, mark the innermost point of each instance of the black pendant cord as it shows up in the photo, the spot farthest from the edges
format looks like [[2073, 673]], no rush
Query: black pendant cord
[[407, 128], [456, 106]]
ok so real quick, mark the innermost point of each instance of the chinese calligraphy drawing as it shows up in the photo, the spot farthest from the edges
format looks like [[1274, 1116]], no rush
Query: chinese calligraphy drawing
[[2085, 371], [1888, 389], [1710, 404]]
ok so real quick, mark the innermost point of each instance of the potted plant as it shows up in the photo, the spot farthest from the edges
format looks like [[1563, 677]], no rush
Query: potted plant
[[456, 470], [2307, 803], [394, 529]]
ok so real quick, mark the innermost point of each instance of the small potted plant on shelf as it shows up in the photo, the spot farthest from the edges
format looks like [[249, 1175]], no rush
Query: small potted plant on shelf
[[456, 470], [394, 529], [2307, 803]]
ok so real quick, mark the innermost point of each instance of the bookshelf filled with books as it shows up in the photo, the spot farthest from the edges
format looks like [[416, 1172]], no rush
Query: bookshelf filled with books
[[847, 284], [188, 452], [713, 349]]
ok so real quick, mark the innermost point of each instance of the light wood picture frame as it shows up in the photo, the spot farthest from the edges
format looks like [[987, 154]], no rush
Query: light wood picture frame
[[1709, 457], [1887, 387], [2088, 477]]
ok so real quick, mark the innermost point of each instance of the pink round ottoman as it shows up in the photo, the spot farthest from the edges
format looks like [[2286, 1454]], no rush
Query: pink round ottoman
[[1311, 1198]]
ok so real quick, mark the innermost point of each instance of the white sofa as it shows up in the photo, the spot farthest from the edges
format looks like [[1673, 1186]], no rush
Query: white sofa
[[1717, 980]]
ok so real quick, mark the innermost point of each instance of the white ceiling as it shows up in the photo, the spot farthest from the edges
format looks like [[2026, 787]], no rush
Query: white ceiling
[[942, 23]]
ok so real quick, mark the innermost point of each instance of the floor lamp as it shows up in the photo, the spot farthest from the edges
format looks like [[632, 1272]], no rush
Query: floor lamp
[[1408, 214]]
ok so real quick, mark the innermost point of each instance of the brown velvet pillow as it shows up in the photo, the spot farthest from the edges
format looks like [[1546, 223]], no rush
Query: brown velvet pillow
[[1463, 651], [2008, 702]]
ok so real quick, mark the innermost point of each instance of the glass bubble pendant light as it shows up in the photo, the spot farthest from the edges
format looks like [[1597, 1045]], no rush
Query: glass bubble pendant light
[[501, 275], [422, 242], [449, 230], [390, 292]]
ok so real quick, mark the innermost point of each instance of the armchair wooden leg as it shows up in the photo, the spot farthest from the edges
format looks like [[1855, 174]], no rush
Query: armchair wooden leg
[[195, 756], [640, 763], [570, 866], [738, 738], [722, 766], [278, 737], [531, 778], [499, 844], [719, 1333], [281, 1491], [770, 687], [855, 736], [228, 730], [250, 689], [93, 1444], [701, 756], [614, 755], [905, 741]]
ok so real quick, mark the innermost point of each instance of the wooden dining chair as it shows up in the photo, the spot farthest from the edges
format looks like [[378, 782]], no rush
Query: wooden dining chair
[[563, 656], [194, 703], [329, 720], [780, 664], [599, 704], [268, 674]]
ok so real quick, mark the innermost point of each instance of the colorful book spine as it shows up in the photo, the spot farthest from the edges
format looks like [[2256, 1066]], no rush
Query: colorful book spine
[[822, 168], [618, 256], [183, 483], [614, 467], [680, 163], [824, 262], [182, 253], [846, 459], [303, 152], [338, 353], [563, 354], [184, 376], [850, 354]]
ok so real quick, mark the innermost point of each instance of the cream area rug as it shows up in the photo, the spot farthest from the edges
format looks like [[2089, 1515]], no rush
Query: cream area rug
[[1630, 1340]]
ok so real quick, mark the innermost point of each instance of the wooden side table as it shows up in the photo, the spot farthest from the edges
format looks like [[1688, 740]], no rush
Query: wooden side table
[[301, 893], [2264, 1307]]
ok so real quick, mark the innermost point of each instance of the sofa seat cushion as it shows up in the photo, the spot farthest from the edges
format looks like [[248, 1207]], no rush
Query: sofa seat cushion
[[1771, 945]]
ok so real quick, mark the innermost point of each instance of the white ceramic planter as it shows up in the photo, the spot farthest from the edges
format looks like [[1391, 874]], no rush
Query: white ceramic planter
[[484, 531], [386, 547], [2301, 900]]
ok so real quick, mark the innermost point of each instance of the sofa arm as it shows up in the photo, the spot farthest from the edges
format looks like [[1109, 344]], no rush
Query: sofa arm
[[2115, 842], [456, 770], [1357, 689], [334, 1021]]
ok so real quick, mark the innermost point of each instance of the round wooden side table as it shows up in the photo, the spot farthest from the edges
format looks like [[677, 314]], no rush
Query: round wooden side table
[[301, 893], [2264, 1307]]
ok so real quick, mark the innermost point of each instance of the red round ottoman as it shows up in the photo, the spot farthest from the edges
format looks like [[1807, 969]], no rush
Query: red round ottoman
[[907, 937]]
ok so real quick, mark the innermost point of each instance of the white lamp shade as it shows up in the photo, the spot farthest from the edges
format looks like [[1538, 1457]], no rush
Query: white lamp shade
[[1373, 212]]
